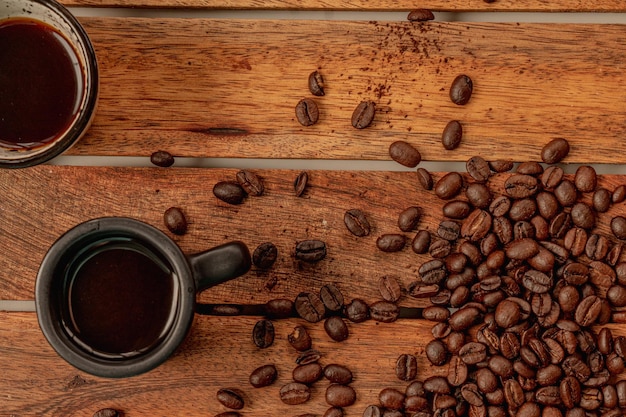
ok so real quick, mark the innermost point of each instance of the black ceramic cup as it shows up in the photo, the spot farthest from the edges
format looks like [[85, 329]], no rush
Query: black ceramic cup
[[115, 297]]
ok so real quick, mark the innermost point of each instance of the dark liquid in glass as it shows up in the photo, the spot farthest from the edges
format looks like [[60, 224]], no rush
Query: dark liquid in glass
[[121, 301], [41, 83]]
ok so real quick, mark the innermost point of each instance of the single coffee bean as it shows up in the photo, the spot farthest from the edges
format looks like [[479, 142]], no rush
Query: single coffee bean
[[619, 194], [107, 412], [449, 230], [547, 205], [389, 288], [449, 186], [339, 395], [384, 311], [473, 352], [432, 272], [551, 177], [523, 209], [162, 159], [250, 182], [440, 248], [457, 371], [425, 179], [575, 241], [501, 366], [500, 206], [421, 242], [456, 209], [522, 249], [554, 151], [333, 412], [363, 114], [294, 393], [461, 89], [478, 195], [373, 411], [585, 179], [310, 250], [536, 281], [452, 135], [588, 310], [476, 225], [420, 15], [357, 311], [229, 192], [404, 153], [310, 307], [530, 168], [263, 334], [265, 255], [478, 168], [406, 367], [507, 314], [336, 328], [356, 222], [409, 218], [308, 356], [501, 165], [300, 183], [299, 339], [307, 374], [228, 414], [573, 366], [609, 397], [391, 398], [332, 297], [486, 380], [436, 313], [462, 319], [436, 385], [263, 376], [436, 352], [601, 200], [391, 242], [338, 374], [618, 227], [583, 216], [418, 290], [175, 220], [570, 391], [566, 193], [597, 247], [471, 394], [230, 398], [307, 112], [521, 186], [316, 83]]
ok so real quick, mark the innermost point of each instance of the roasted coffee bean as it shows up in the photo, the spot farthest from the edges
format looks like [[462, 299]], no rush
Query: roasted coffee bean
[[614, 254], [583, 216], [279, 308], [336, 328], [175, 220], [601, 200], [421, 242], [549, 375], [522, 249], [339, 395], [440, 248], [500, 206], [373, 411], [457, 371], [536, 281], [486, 380], [609, 396], [554, 151], [357, 311], [551, 177], [548, 396], [333, 412], [461, 89], [263, 334], [310, 307], [294, 393], [432, 272], [420, 15], [265, 255], [619, 194], [307, 374], [436, 352], [560, 225], [162, 159], [566, 193], [530, 168], [437, 385], [391, 398], [573, 366], [597, 247], [436, 313], [263, 376], [415, 403], [471, 394], [449, 230], [476, 225], [250, 182], [316, 83], [570, 391], [230, 398], [452, 135], [507, 314], [473, 352], [107, 412], [332, 297], [356, 222], [409, 218], [308, 356], [617, 295], [391, 242], [547, 205], [522, 209], [384, 311], [588, 310], [478, 195], [591, 399], [509, 345], [363, 114], [501, 366], [456, 209], [229, 192], [307, 112], [618, 227], [405, 154], [389, 288], [310, 250], [418, 290], [585, 179], [338, 374], [228, 414], [406, 367], [462, 319], [300, 183], [513, 393], [620, 387], [521, 186], [449, 186], [425, 179], [501, 165], [478, 169]]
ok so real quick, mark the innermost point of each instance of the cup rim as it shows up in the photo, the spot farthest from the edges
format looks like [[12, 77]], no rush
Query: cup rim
[[48, 309], [83, 120]]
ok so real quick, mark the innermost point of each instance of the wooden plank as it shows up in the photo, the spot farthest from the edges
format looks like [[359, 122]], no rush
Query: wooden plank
[[228, 88], [387, 5], [35, 381], [41, 203]]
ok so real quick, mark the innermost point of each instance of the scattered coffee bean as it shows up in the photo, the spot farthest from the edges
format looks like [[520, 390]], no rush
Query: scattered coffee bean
[[338, 374], [618, 227], [425, 179], [449, 186], [619, 194], [336, 328], [300, 339], [265, 255], [391, 242], [554, 151], [175, 220], [363, 114], [250, 182], [307, 112], [391, 398], [230, 398], [389, 288], [263, 376], [478, 169], [357, 311], [316, 83], [420, 15], [294, 393], [601, 200], [307, 374], [406, 367], [263, 334], [501, 165], [162, 159], [229, 192], [409, 218], [461, 89], [404, 153], [310, 250], [585, 179], [331, 297], [384, 311], [107, 412], [338, 395], [333, 412], [452, 135], [421, 242], [300, 183], [356, 222], [310, 307]]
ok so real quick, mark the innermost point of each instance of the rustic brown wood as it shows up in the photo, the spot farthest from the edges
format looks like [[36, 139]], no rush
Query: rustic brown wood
[[35, 381], [41, 203], [228, 88], [402, 5]]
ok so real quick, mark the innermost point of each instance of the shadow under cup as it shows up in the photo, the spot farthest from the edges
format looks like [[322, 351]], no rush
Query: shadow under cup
[[115, 297]]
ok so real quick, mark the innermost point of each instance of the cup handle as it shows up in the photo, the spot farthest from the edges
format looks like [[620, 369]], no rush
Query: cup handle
[[220, 264]]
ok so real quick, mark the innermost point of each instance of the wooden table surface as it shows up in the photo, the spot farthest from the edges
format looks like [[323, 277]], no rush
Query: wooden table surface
[[227, 88]]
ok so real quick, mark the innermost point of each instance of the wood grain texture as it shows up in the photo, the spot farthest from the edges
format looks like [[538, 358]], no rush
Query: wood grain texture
[[228, 88], [35, 381], [41, 203], [401, 5]]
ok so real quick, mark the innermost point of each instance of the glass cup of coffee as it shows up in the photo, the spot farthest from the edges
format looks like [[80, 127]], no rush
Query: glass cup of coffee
[[48, 81], [115, 297]]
